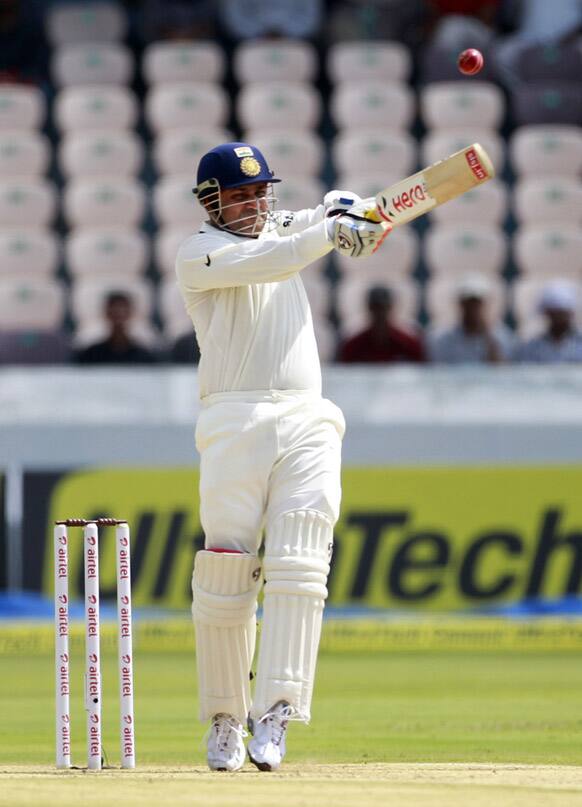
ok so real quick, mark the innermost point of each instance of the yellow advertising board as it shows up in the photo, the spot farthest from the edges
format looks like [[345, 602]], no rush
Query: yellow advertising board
[[443, 538]]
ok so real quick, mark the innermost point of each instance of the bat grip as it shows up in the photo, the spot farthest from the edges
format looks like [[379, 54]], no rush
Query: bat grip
[[366, 209]]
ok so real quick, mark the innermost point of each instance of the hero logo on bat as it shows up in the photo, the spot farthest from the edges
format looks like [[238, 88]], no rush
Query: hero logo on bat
[[415, 195], [475, 164]]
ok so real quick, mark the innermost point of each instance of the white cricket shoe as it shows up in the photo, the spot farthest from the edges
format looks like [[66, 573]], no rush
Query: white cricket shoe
[[225, 747], [267, 747]]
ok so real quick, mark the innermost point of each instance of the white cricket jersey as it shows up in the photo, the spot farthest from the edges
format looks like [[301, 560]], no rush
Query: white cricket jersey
[[249, 307]]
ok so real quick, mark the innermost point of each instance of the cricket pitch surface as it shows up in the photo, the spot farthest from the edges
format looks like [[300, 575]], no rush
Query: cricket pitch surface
[[300, 785]]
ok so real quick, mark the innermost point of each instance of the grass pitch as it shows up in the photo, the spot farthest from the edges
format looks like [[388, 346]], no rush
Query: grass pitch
[[418, 728]]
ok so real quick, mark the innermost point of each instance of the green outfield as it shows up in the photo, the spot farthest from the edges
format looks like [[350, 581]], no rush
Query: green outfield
[[376, 716]]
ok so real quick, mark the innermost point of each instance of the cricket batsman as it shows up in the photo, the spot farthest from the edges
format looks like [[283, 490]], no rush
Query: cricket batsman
[[270, 448]]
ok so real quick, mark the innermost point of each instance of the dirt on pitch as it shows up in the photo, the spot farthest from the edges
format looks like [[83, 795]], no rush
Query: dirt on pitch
[[413, 785]]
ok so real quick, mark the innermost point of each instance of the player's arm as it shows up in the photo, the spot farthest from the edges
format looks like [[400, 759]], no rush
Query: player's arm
[[261, 260], [334, 202]]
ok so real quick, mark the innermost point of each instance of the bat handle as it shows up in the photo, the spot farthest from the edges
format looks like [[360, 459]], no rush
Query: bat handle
[[367, 209]]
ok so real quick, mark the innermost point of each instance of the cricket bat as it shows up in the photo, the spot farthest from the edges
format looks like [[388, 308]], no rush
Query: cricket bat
[[433, 186]]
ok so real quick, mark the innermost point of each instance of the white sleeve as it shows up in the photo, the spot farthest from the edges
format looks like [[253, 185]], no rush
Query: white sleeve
[[250, 261], [291, 222]]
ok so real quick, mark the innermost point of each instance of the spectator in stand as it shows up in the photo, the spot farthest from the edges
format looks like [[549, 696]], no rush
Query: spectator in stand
[[457, 24], [473, 340], [24, 51], [382, 341], [538, 23], [561, 342], [119, 347], [179, 20], [400, 20], [185, 350], [255, 19]]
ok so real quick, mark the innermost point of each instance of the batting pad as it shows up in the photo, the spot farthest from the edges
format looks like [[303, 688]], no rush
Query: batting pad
[[296, 565], [225, 588]]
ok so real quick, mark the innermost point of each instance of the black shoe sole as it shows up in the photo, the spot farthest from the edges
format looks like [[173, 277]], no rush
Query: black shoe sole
[[262, 766]]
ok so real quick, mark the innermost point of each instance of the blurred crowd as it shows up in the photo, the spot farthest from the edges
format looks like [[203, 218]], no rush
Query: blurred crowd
[[473, 338], [509, 26], [526, 43]]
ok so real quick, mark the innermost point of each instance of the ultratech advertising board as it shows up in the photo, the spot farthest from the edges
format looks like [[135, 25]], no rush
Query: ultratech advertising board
[[423, 538]]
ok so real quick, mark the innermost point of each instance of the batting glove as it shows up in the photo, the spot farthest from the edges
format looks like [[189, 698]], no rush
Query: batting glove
[[357, 237]]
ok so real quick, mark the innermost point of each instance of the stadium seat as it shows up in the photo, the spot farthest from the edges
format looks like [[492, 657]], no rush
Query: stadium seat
[[544, 250], [289, 152], [102, 250], [546, 102], [371, 151], [85, 23], [452, 249], [441, 143], [23, 153], [85, 108], [441, 299], [174, 204], [95, 63], [88, 294], [486, 204], [28, 251], [525, 297], [376, 104], [368, 60], [178, 151], [103, 202], [450, 104], [278, 105], [31, 303], [21, 107], [27, 202], [554, 150], [368, 184], [180, 104], [351, 300], [34, 347], [165, 245], [279, 59], [547, 200], [101, 153], [397, 258], [173, 312], [297, 193], [169, 62], [550, 62]]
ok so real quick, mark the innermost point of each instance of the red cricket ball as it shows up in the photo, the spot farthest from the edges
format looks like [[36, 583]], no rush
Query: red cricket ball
[[470, 61]]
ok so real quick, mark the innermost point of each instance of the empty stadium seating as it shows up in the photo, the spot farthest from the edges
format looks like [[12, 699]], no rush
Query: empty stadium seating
[[96, 173]]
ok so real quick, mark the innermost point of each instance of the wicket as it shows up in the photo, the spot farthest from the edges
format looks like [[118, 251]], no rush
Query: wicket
[[92, 641]]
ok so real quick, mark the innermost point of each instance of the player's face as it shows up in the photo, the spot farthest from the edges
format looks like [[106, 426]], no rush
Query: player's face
[[244, 209]]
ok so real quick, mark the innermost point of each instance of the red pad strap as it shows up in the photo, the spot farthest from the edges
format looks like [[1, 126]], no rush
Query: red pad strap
[[225, 551]]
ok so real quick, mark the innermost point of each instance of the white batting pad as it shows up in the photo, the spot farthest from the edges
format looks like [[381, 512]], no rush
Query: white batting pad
[[296, 565], [225, 588]]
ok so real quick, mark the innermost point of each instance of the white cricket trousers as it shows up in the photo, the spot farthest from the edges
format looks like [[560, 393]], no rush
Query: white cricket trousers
[[263, 454]]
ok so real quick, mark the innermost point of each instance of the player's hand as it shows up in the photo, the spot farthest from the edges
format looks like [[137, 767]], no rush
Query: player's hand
[[336, 202], [357, 237]]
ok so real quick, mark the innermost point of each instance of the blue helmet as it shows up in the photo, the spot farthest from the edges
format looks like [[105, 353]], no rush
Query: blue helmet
[[231, 165]]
